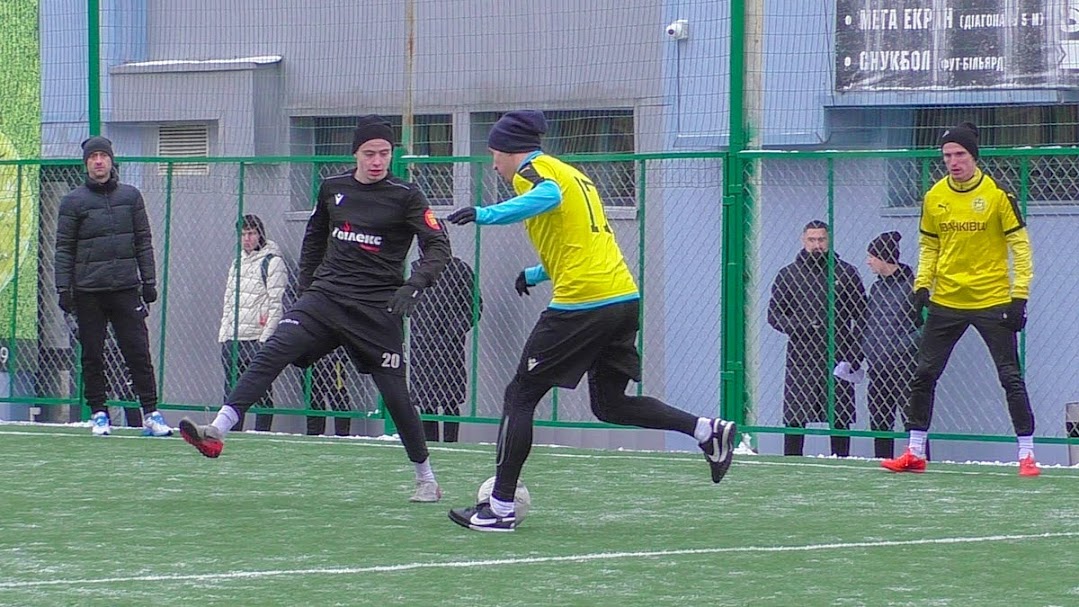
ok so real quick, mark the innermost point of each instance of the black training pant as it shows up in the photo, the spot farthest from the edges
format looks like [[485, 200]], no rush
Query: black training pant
[[365, 332], [943, 328], [597, 341], [125, 310], [245, 353]]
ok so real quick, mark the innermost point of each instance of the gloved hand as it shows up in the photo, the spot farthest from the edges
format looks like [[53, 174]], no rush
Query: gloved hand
[[1015, 317], [67, 301], [404, 300], [521, 285], [921, 301], [149, 293], [462, 216]]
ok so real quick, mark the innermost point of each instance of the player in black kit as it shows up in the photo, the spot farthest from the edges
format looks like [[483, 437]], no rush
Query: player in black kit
[[353, 294]]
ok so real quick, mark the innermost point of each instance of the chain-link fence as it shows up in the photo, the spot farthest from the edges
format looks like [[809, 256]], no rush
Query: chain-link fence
[[812, 299], [818, 298]]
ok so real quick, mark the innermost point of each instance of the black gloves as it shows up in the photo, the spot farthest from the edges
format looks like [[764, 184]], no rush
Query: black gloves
[[462, 216], [1015, 316], [522, 284], [404, 301], [921, 301], [67, 301], [149, 293]]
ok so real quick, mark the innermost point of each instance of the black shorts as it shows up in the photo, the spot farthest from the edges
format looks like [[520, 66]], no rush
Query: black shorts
[[372, 337], [566, 344]]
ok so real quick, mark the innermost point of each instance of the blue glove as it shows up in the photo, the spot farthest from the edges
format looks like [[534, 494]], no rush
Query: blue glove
[[462, 216]]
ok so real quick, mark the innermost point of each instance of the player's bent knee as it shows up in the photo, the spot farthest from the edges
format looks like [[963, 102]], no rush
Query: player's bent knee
[[523, 394]]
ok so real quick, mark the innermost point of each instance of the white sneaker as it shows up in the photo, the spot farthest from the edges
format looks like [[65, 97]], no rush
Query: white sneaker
[[426, 491], [99, 424], [154, 425]]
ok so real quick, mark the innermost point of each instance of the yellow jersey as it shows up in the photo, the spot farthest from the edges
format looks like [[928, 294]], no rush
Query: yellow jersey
[[966, 231], [574, 241]]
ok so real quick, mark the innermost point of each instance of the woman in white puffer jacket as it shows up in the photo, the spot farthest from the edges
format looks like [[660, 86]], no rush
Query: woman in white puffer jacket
[[250, 314]]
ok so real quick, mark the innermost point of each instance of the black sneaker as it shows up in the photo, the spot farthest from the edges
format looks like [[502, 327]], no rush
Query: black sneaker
[[719, 450], [481, 518]]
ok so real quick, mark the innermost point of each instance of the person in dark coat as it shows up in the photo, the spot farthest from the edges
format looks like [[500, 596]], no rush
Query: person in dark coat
[[799, 308], [890, 337], [105, 274], [440, 324]]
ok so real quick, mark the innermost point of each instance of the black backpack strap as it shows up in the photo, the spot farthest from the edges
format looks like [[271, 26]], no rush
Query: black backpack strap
[[266, 267]]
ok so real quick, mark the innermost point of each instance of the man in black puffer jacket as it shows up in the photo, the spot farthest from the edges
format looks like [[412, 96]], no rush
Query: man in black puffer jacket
[[105, 274]]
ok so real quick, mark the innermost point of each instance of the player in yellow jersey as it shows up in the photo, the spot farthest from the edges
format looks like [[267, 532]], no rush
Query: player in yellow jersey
[[969, 225], [591, 324]]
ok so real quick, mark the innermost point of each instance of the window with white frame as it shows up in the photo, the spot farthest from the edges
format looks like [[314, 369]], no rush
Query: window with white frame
[[596, 131], [432, 135]]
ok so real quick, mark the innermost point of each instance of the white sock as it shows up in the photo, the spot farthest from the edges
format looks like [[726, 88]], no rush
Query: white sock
[[225, 420], [424, 473], [501, 508], [703, 430], [1026, 446], [916, 444]]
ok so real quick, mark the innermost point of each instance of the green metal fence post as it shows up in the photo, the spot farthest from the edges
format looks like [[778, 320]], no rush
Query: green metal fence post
[[735, 234], [93, 60], [477, 200], [12, 350], [641, 184], [166, 256], [831, 296]]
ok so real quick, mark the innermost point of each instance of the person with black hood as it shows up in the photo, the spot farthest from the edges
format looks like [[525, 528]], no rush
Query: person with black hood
[[799, 308], [105, 274], [352, 293], [975, 267], [252, 307], [889, 337], [440, 326]]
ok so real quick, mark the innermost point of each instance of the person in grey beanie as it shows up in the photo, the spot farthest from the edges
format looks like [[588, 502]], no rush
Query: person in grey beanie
[[104, 270]]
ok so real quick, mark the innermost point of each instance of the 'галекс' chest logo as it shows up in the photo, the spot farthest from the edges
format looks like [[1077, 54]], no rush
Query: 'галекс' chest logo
[[367, 242]]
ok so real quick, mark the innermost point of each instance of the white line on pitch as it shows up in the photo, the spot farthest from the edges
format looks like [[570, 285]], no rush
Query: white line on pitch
[[571, 558]]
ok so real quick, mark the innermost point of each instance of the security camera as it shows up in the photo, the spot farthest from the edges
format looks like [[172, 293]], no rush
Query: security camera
[[678, 30]]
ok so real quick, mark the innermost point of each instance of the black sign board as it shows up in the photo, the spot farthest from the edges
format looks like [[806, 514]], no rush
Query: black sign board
[[956, 44]]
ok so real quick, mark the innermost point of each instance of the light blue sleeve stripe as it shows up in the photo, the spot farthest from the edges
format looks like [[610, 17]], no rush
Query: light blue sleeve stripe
[[540, 199], [536, 274], [592, 305]]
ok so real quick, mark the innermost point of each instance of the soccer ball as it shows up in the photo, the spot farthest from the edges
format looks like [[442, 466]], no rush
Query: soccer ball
[[522, 500]]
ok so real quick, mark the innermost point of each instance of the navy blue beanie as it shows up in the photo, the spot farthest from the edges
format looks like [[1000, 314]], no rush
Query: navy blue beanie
[[518, 131]]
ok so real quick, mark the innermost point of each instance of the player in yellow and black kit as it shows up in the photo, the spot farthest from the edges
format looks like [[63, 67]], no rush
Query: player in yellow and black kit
[[591, 324], [969, 224]]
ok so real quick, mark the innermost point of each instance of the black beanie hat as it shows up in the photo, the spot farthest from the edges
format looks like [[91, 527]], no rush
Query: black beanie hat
[[518, 131], [886, 247], [96, 144], [253, 222], [965, 134], [371, 127]]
